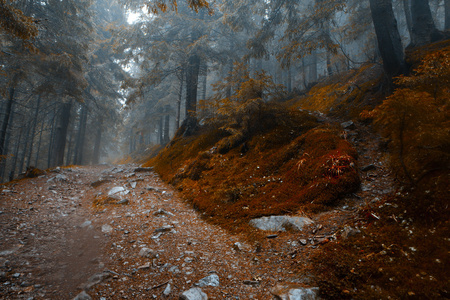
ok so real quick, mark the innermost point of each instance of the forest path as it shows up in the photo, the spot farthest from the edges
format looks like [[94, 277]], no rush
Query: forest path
[[55, 241]]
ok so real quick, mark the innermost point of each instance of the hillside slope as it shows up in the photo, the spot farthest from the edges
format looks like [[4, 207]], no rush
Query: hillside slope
[[270, 159]]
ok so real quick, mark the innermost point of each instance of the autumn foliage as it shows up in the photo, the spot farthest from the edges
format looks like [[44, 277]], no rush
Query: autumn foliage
[[401, 254], [416, 120], [253, 158]]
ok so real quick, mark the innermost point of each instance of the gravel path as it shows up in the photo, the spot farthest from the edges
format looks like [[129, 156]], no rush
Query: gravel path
[[61, 234]]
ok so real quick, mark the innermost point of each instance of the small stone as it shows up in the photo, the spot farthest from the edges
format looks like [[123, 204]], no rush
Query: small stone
[[133, 185], [86, 224], [293, 291], [251, 282], [98, 183], [123, 202], [238, 247], [162, 212], [349, 231], [144, 266], [348, 125], [149, 253], [117, 190], [106, 228], [82, 296], [193, 294], [370, 167], [167, 290], [163, 229], [211, 280]]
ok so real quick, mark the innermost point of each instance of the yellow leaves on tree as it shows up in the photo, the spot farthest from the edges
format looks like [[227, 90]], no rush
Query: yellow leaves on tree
[[13, 21], [242, 109], [416, 119]]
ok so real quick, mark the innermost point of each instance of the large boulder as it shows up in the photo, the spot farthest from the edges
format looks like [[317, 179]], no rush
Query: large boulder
[[293, 291], [280, 223]]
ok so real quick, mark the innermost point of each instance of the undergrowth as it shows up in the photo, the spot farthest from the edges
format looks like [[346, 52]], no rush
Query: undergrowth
[[403, 252], [284, 163]]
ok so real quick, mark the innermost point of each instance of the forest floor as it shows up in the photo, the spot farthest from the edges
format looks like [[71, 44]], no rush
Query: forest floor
[[61, 234]]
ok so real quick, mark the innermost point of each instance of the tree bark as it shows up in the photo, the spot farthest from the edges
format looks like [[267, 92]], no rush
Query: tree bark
[[389, 42], [61, 133], [25, 147], [447, 14], [6, 119], [6, 146], [423, 28], [407, 10], [180, 96], [313, 68], [192, 84], [160, 131], [98, 138], [16, 153], [33, 132], [166, 125], [81, 136], [51, 143], [39, 145]]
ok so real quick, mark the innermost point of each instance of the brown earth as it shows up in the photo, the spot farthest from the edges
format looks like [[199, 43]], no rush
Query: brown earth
[[61, 233]]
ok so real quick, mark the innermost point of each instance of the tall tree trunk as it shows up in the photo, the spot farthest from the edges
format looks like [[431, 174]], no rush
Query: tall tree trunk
[[24, 148], [51, 144], [313, 68], [38, 150], [70, 157], [447, 14], [423, 28], [289, 79], [166, 125], [61, 133], [205, 79], [16, 153], [98, 139], [6, 145], [33, 132], [180, 96], [230, 70], [389, 42], [6, 119], [81, 136], [192, 84], [160, 131], [408, 17]]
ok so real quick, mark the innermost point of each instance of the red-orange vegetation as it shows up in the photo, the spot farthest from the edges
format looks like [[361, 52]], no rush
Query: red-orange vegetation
[[402, 250], [395, 256], [284, 163], [346, 94]]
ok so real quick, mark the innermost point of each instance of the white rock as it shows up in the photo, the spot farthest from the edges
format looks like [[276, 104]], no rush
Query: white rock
[[194, 294], [106, 228], [294, 292], [82, 296], [118, 190], [149, 253], [167, 290], [211, 280], [280, 223]]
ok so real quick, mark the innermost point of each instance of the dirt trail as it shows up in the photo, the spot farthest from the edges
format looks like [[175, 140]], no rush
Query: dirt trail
[[56, 242], [61, 233]]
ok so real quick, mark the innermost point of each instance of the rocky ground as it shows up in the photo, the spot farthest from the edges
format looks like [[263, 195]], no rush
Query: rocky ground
[[119, 232]]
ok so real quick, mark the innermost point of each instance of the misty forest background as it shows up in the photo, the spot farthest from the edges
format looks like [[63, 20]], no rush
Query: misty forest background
[[87, 81]]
